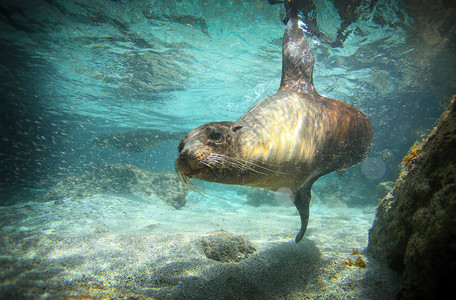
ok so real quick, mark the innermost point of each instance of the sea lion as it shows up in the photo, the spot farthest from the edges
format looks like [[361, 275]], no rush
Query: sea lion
[[136, 140], [288, 140]]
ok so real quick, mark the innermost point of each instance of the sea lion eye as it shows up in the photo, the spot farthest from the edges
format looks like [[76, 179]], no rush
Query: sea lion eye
[[216, 136]]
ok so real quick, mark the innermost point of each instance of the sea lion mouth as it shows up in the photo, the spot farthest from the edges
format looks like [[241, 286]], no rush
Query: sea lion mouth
[[189, 167], [193, 173]]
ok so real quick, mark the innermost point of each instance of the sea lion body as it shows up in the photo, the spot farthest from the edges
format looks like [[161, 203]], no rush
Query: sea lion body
[[290, 131], [288, 140]]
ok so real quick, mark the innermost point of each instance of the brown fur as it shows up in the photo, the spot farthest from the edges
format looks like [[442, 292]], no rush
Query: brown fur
[[289, 139]]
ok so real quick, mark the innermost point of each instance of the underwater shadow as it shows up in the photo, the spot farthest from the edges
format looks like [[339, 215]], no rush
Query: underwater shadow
[[379, 280], [273, 273], [131, 266]]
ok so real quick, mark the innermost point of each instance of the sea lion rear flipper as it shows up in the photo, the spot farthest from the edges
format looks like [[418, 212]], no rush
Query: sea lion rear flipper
[[302, 200], [297, 57]]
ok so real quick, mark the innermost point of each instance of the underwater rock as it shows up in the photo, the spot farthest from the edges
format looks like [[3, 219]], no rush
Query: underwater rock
[[383, 188], [414, 230], [120, 179], [226, 247]]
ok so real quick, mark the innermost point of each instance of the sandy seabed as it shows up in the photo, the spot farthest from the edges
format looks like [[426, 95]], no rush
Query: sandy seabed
[[126, 247]]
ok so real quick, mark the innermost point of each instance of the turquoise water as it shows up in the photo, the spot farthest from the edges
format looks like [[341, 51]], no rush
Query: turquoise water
[[74, 70]]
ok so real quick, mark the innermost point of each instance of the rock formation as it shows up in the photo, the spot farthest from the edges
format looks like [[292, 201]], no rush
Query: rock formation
[[415, 227], [226, 247]]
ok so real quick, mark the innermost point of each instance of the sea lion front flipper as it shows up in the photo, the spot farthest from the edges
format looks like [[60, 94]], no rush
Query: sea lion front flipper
[[302, 201], [297, 57]]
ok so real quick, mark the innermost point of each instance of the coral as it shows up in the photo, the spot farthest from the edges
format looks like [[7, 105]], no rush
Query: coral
[[348, 263], [415, 152], [358, 263]]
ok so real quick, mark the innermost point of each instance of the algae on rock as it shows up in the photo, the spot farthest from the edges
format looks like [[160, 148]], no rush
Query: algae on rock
[[414, 230]]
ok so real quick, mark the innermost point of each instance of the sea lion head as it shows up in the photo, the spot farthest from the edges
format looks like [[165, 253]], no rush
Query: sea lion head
[[208, 152]]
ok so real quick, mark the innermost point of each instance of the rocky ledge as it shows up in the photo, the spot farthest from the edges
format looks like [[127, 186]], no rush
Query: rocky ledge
[[414, 230]]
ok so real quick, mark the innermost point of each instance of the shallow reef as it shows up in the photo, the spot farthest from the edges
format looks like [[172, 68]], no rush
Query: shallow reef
[[120, 179], [415, 226]]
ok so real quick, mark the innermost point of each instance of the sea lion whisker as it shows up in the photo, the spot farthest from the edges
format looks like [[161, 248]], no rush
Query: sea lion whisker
[[232, 161], [186, 181], [245, 164], [216, 160], [196, 188], [240, 161], [268, 169], [241, 166], [260, 164], [205, 163], [236, 160]]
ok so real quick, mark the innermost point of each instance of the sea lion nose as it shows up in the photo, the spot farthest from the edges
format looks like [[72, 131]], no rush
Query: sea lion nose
[[183, 151], [184, 154]]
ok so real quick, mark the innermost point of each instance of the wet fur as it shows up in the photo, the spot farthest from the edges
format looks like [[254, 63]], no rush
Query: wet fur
[[289, 139]]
